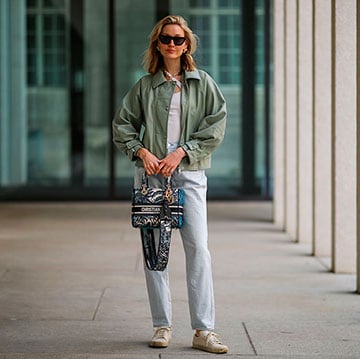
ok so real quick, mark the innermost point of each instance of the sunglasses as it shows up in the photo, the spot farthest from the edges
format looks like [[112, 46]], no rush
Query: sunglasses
[[164, 39]]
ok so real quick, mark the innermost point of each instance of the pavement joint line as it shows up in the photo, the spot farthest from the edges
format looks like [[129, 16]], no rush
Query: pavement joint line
[[249, 338], [98, 304]]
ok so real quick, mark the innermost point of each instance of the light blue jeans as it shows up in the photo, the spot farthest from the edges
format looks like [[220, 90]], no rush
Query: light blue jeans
[[194, 235]]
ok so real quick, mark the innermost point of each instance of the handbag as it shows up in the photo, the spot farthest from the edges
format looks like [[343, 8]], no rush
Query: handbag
[[157, 208]]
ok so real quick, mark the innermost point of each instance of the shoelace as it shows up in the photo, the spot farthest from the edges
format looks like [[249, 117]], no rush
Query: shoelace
[[161, 333], [213, 338]]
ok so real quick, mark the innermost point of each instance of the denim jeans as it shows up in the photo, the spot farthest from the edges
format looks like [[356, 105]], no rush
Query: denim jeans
[[194, 235]]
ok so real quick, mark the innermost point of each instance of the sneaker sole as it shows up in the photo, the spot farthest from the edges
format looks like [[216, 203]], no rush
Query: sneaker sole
[[206, 349], [158, 345]]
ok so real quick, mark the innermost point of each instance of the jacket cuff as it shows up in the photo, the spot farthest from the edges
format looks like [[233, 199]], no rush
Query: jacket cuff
[[191, 148], [132, 149]]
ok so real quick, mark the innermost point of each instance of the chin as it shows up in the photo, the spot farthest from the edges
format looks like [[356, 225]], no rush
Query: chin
[[172, 56]]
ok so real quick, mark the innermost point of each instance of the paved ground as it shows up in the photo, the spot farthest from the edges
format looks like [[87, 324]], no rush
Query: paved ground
[[72, 286]]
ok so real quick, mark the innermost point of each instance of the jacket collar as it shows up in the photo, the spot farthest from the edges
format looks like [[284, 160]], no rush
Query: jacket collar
[[159, 77]]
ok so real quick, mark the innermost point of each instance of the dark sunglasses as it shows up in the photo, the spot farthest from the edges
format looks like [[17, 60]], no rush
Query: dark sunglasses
[[164, 39]]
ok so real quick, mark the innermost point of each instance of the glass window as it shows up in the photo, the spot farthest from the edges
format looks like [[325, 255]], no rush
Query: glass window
[[199, 3], [56, 141], [31, 3], [49, 145], [54, 4], [218, 26], [228, 3], [129, 67], [46, 38], [225, 25], [260, 134]]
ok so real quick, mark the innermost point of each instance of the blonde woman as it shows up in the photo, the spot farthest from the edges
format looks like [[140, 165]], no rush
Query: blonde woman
[[169, 124]]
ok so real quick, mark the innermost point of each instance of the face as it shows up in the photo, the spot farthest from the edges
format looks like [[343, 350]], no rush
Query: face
[[171, 51]]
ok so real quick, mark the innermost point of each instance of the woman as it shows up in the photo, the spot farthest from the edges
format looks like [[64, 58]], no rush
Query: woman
[[169, 123]]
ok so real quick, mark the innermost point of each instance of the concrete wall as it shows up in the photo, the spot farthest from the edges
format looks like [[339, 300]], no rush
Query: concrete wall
[[316, 110]]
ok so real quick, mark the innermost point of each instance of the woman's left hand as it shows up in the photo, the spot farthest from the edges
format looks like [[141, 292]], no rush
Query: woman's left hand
[[168, 164]]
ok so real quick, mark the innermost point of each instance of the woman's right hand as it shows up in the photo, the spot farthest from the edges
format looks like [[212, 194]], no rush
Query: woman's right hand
[[150, 162]]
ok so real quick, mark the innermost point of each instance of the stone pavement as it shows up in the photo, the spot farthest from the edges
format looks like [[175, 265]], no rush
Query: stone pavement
[[72, 286]]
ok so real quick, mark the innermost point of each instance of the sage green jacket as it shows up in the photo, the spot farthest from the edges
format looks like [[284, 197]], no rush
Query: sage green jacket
[[142, 119]]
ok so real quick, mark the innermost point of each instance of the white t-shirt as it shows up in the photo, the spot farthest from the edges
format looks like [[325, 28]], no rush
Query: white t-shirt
[[174, 126]]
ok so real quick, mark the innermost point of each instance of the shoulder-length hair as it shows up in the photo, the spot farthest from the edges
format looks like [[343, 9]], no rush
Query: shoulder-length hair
[[153, 60]]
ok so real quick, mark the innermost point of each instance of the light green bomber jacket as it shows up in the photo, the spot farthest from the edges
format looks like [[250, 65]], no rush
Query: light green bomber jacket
[[142, 119]]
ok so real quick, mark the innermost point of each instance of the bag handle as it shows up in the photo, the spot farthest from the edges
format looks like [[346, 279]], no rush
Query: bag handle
[[168, 191]]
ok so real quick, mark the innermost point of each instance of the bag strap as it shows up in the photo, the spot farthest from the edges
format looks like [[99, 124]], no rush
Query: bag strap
[[157, 259]]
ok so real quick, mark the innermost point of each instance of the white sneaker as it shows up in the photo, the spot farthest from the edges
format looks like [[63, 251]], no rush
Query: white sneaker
[[161, 337], [209, 342]]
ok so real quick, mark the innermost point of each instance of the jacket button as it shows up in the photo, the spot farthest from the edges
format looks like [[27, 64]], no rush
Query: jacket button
[[166, 108]]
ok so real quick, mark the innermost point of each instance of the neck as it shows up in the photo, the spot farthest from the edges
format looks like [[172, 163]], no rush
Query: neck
[[173, 67]]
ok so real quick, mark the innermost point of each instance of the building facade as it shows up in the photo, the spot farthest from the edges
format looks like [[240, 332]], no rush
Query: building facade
[[65, 66]]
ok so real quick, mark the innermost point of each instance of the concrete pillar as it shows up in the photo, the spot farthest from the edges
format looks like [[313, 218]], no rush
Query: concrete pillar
[[305, 120], [358, 145], [344, 136], [279, 114], [322, 129], [291, 124]]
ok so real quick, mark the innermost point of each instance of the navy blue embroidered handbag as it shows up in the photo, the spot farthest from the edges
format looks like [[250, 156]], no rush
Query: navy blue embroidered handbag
[[161, 208]]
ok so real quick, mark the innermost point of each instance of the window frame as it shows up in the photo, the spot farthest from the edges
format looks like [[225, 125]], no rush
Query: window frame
[[39, 11], [214, 12]]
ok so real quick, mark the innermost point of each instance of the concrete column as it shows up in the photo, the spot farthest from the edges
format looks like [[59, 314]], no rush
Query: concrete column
[[279, 114], [305, 120], [344, 137], [291, 125], [322, 128], [358, 145]]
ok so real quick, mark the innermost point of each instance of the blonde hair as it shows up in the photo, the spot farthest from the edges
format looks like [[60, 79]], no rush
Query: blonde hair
[[153, 60]]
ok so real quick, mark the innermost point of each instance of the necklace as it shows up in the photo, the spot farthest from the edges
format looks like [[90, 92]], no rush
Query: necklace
[[170, 74], [172, 78]]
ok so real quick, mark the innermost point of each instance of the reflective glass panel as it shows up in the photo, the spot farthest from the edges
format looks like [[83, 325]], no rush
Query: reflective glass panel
[[219, 55], [55, 98], [135, 18]]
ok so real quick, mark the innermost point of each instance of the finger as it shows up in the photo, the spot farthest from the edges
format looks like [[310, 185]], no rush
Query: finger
[[162, 165]]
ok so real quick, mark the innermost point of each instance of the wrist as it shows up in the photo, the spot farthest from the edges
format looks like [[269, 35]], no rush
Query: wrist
[[180, 151], [140, 152]]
